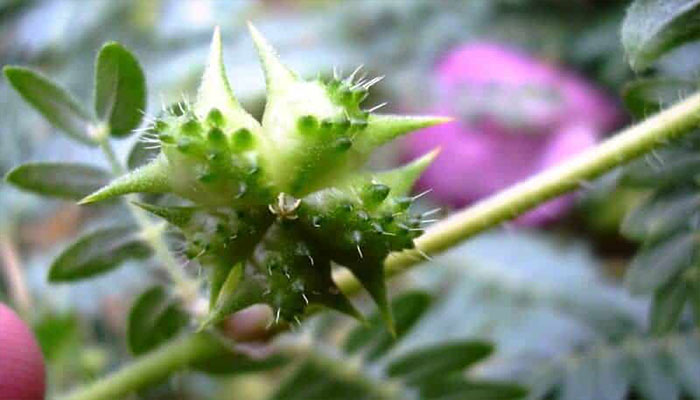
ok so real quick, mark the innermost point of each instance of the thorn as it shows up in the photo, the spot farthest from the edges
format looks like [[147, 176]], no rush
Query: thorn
[[297, 320], [359, 251], [352, 75], [658, 158], [421, 194], [428, 221], [277, 317], [424, 254], [311, 259], [377, 107], [358, 85], [373, 82], [431, 212], [306, 299]]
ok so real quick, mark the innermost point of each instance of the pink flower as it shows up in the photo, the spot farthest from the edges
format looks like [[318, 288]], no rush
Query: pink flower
[[21, 361], [515, 116]]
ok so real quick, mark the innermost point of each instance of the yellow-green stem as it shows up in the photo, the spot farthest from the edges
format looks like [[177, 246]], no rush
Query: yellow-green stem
[[151, 368]]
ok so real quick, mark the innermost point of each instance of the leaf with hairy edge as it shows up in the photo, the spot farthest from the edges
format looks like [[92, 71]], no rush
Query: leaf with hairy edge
[[63, 180], [612, 376], [653, 27], [579, 379], [374, 338], [667, 305], [654, 375], [644, 97], [655, 265], [457, 388], [685, 352], [315, 379], [120, 89], [667, 168], [437, 361], [53, 102], [98, 252], [154, 318], [660, 215]]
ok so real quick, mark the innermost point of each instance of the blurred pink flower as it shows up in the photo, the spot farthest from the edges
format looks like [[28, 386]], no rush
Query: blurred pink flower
[[21, 361], [515, 116]]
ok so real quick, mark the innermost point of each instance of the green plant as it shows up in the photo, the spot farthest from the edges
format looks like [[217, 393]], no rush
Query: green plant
[[266, 207]]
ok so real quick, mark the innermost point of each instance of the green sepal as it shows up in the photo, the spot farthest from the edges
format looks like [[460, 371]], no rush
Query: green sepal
[[402, 179], [177, 216], [153, 177], [371, 276], [309, 132], [215, 92], [382, 129], [239, 290]]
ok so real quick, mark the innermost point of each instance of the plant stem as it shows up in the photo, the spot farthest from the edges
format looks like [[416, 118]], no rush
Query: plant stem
[[152, 232], [627, 145], [12, 268], [151, 368], [508, 204]]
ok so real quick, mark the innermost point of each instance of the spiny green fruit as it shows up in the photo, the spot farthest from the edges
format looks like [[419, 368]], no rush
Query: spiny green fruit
[[274, 205]]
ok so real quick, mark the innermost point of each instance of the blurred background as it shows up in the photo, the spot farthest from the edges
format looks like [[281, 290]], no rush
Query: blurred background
[[529, 83]]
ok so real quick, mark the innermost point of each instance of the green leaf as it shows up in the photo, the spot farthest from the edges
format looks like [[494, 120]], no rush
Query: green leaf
[[644, 97], [56, 333], [686, 362], [120, 89], [653, 373], [692, 277], [154, 318], [655, 265], [375, 339], [62, 180], [226, 294], [667, 305], [612, 376], [97, 253], [437, 361], [653, 27], [53, 102], [660, 215], [238, 363], [458, 388], [315, 379], [142, 153], [579, 380], [663, 169]]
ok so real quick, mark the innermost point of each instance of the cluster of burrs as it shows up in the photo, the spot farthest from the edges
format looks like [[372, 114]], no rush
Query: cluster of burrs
[[272, 206]]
